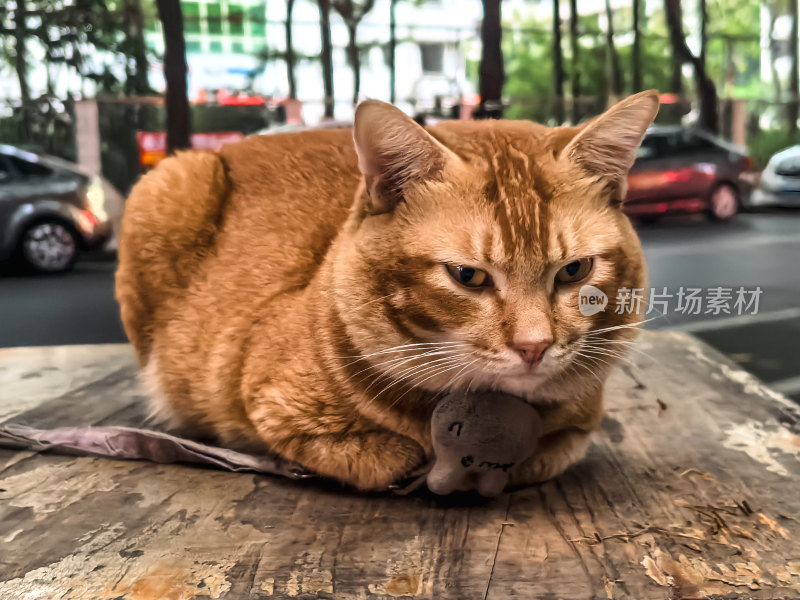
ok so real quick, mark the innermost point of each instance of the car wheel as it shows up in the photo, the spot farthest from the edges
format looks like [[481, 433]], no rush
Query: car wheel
[[49, 246], [724, 202]]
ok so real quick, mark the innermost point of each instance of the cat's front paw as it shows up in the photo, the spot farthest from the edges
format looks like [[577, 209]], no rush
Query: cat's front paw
[[386, 458], [555, 454]]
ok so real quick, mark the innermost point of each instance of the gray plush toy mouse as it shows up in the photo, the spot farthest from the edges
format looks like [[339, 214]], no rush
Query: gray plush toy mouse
[[477, 438]]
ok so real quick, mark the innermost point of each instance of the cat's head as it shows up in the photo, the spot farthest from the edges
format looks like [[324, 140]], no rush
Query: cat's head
[[470, 241]]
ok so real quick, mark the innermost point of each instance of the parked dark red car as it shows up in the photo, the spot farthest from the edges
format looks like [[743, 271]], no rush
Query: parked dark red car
[[684, 170]]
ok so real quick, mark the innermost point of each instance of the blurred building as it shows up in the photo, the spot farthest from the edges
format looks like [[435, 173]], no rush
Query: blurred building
[[226, 43]]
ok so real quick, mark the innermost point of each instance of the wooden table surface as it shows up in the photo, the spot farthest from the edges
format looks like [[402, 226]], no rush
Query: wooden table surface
[[690, 490]]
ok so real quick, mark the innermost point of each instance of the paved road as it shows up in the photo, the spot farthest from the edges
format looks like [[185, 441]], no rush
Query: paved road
[[73, 308], [753, 251]]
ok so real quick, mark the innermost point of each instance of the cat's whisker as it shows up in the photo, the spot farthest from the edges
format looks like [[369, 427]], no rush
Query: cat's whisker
[[455, 377], [417, 370], [629, 346], [586, 367], [360, 306], [599, 349], [600, 357], [435, 374], [382, 376], [608, 354], [404, 348], [411, 386], [387, 374], [414, 369], [401, 347], [626, 345], [402, 360], [589, 371], [624, 326], [403, 356]]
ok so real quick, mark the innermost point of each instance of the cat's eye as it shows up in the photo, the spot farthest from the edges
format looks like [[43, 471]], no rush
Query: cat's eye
[[469, 276], [575, 271]]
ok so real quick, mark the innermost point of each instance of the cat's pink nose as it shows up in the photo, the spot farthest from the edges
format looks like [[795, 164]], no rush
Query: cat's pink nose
[[531, 352]]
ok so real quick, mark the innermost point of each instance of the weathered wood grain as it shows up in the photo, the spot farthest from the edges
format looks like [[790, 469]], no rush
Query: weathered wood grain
[[690, 490]]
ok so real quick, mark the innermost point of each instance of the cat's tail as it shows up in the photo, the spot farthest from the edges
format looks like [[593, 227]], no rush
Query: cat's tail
[[171, 219]]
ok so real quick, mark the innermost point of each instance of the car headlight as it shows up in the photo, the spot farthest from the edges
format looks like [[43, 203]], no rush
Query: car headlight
[[96, 199]]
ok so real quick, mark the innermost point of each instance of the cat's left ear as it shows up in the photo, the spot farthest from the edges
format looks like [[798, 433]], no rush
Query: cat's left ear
[[606, 146], [394, 153]]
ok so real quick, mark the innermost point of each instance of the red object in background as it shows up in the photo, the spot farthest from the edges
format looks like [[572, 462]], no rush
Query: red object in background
[[680, 170], [678, 176], [227, 99], [668, 98], [153, 144], [653, 191]]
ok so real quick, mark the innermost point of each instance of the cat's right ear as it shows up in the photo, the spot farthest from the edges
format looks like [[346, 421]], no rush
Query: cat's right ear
[[394, 152], [605, 148]]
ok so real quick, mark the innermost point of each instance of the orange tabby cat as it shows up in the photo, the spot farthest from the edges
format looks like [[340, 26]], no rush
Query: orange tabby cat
[[314, 293]]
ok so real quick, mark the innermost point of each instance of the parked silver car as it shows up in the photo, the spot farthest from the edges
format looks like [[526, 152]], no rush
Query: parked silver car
[[780, 181], [49, 210]]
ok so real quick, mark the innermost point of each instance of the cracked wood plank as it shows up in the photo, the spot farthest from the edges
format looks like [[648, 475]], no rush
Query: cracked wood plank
[[689, 491]]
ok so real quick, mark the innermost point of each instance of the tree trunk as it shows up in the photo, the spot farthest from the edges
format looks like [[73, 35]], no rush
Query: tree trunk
[[177, 104], [492, 75], [637, 47], [776, 80], [290, 59], [558, 63], [21, 65], [703, 9], [137, 80], [617, 82], [794, 103], [575, 74], [706, 90], [677, 41], [392, 50], [354, 59], [326, 56]]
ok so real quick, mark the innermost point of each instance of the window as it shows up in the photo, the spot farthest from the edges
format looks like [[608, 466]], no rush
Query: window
[[214, 19], [28, 169], [677, 143], [235, 19], [691, 142], [237, 47], [215, 47], [432, 57], [789, 167], [258, 18], [653, 146], [194, 47], [5, 174], [191, 17]]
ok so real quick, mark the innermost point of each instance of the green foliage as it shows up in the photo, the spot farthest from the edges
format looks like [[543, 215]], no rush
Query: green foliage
[[734, 17], [764, 144], [529, 74], [72, 31], [528, 51]]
